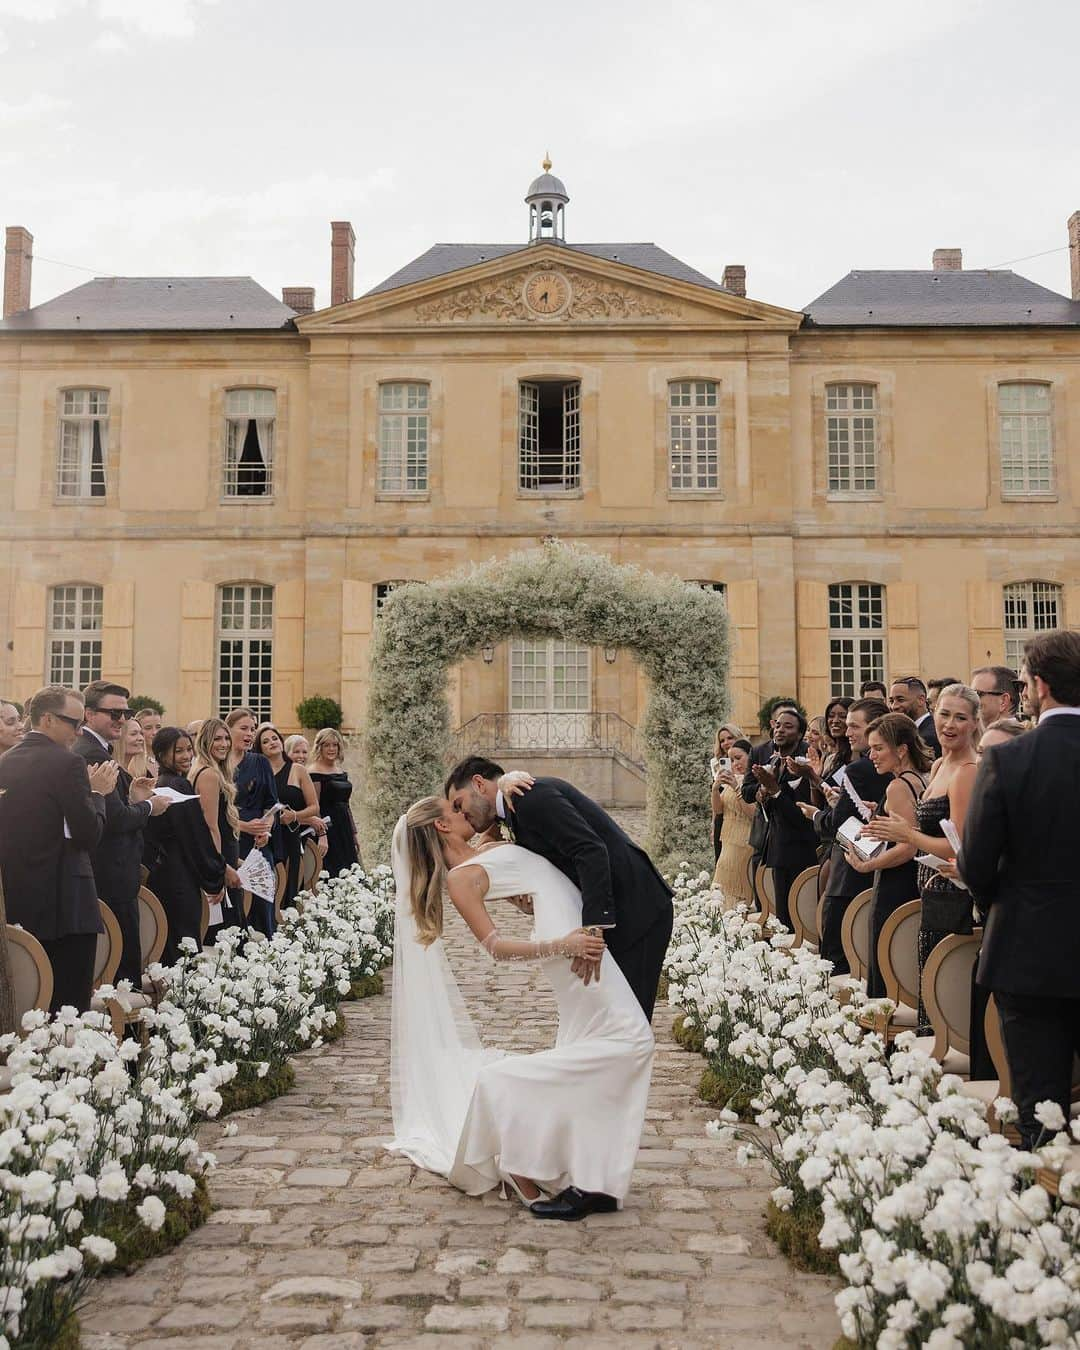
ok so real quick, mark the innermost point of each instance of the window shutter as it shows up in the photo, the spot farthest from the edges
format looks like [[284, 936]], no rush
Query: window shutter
[[902, 623], [357, 618], [28, 635], [812, 622], [196, 650], [986, 636], [288, 668], [742, 606], [1070, 601], [118, 632]]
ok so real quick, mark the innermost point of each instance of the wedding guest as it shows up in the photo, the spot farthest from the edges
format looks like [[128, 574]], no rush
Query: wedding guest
[[791, 843], [836, 714], [818, 741], [766, 753], [193, 728], [908, 695], [898, 753], [998, 689], [1019, 858], [297, 748], [182, 857], [256, 798], [844, 883], [151, 723], [297, 792], [334, 789], [131, 750], [52, 812], [873, 689], [946, 907], [12, 728], [211, 776], [732, 867], [726, 736], [117, 859], [934, 688]]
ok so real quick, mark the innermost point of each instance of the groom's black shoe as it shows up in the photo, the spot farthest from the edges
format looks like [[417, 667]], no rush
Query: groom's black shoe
[[573, 1204]]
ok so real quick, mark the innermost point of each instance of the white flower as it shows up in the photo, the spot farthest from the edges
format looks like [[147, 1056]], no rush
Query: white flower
[[1050, 1116], [151, 1212], [100, 1248], [113, 1185], [783, 1197]]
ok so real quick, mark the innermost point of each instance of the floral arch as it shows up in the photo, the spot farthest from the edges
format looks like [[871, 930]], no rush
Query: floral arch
[[677, 632]]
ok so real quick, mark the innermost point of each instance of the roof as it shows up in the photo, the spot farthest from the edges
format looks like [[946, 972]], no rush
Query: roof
[[166, 303], [442, 259], [940, 299], [547, 185]]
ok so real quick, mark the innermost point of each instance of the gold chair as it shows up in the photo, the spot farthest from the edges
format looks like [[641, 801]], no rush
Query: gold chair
[[803, 905], [855, 940], [310, 867], [987, 1090], [110, 944], [765, 891], [946, 995], [31, 972], [898, 960], [282, 871]]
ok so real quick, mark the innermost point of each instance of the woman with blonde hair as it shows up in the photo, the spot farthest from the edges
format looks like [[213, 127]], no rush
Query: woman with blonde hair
[[296, 792], [732, 874], [327, 769], [211, 778], [131, 750], [567, 1120]]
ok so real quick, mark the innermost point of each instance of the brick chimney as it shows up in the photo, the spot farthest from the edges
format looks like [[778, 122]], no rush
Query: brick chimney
[[1074, 253], [948, 260], [342, 259], [18, 259], [735, 279], [300, 298]]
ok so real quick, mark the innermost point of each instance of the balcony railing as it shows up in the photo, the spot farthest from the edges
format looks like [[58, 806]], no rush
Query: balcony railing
[[497, 733]]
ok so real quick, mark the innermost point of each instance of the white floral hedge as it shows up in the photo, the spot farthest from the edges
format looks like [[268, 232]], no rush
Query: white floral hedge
[[677, 632], [943, 1237], [90, 1125]]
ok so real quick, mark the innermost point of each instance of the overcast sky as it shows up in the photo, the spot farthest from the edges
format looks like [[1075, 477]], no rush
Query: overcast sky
[[174, 137]]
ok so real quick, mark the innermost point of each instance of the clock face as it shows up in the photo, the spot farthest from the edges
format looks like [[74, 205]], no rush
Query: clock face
[[547, 293]]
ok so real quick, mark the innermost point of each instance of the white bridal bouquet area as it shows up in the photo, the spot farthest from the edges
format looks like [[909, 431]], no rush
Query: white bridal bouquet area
[[98, 1146], [887, 1169]]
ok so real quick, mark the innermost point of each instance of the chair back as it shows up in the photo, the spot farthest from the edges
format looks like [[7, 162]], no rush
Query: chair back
[[824, 872], [31, 972], [204, 917], [802, 905], [996, 1046], [110, 944], [309, 866], [855, 934], [898, 953], [946, 991], [153, 927], [765, 891], [282, 880]]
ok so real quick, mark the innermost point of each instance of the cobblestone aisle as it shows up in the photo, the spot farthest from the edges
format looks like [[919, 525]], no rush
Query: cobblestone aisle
[[322, 1240]]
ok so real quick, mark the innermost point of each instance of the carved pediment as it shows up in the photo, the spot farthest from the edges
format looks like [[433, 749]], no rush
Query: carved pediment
[[590, 297]]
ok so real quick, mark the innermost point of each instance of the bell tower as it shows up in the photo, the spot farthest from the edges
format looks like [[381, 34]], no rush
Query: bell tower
[[546, 200]]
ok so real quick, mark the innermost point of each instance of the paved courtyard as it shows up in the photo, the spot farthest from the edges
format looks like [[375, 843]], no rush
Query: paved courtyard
[[322, 1240]]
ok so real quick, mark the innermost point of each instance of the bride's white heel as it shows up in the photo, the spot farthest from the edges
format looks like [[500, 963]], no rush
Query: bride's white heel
[[510, 1184]]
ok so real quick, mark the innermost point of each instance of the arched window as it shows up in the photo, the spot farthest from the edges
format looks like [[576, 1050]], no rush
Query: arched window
[[245, 647], [74, 639], [1029, 607], [856, 636], [1026, 438], [404, 435], [82, 443], [851, 412], [693, 435], [250, 415]]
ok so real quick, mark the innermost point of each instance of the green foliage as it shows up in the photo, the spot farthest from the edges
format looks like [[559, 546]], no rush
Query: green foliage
[[690, 1038], [317, 712], [795, 1232], [766, 710], [365, 987], [138, 702], [335, 1032], [135, 1243], [247, 1089], [721, 1087], [558, 590]]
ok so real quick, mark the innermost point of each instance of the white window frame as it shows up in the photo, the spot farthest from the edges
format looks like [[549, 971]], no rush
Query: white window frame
[[852, 466], [404, 439], [244, 648], [857, 636], [244, 405], [537, 467], [1026, 439], [1029, 608], [557, 671], [73, 647], [693, 421], [82, 412]]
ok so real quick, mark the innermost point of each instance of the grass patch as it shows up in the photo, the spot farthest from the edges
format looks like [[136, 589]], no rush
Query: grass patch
[[795, 1232], [135, 1243], [724, 1089], [662, 989], [62, 1337], [844, 1344], [690, 1038], [365, 986], [337, 1030], [247, 1090]]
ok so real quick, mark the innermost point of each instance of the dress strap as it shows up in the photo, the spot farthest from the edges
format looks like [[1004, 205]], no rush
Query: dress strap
[[907, 784]]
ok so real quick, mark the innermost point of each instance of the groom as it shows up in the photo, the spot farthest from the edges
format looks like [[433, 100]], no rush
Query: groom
[[622, 893]]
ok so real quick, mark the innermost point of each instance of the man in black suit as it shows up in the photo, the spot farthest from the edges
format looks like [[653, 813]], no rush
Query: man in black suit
[[1019, 860], [791, 844], [998, 689], [118, 856], [622, 893], [52, 810], [908, 695], [765, 753], [844, 882]]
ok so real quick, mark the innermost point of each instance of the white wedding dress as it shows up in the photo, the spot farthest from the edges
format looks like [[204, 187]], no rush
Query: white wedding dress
[[568, 1116]]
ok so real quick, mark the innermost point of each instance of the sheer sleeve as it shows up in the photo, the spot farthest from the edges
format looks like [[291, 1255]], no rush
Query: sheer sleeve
[[500, 948]]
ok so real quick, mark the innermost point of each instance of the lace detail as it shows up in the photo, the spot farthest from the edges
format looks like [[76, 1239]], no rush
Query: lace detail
[[511, 949]]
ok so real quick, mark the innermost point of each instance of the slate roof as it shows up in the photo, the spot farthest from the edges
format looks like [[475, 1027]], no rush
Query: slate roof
[[197, 304], [958, 299], [442, 259]]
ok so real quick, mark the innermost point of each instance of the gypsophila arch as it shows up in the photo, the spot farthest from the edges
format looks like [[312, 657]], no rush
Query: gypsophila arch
[[677, 632]]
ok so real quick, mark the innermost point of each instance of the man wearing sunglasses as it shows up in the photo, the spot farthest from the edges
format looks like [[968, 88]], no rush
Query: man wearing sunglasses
[[118, 857]]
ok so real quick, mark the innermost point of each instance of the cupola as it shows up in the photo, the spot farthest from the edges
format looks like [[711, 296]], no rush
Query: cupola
[[546, 200]]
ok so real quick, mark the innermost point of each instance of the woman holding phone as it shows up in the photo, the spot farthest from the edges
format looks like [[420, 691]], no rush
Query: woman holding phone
[[734, 815]]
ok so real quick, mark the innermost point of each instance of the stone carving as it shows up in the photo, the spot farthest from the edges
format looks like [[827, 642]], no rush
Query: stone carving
[[591, 298]]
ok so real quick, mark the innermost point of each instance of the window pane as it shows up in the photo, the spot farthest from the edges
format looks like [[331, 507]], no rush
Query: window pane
[[403, 438], [245, 655], [693, 437], [851, 437]]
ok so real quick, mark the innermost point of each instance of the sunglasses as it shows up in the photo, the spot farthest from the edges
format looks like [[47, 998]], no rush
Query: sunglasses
[[75, 722], [116, 714]]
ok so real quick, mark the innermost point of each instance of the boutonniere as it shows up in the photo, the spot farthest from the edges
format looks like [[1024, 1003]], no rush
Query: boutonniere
[[506, 832]]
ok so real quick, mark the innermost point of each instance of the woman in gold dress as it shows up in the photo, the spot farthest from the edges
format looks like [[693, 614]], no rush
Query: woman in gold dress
[[727, 803]]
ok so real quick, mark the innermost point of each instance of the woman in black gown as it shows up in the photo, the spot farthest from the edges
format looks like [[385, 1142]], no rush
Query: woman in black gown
[[297, 794], [334, 789], [212, 780], [181, 856]]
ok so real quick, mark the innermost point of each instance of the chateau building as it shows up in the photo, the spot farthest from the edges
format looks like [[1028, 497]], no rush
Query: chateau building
[[205, 492]]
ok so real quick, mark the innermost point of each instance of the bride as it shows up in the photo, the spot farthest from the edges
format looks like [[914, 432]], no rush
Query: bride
[[566, 1121]]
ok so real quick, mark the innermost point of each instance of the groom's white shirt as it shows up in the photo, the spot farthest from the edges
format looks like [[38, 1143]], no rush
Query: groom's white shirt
[[500, 805]]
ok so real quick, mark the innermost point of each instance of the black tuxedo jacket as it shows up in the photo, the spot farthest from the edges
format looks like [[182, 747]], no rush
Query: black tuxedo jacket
[[618, 882], [871, 787], [48, 881], [118, 856], [792, 842], [928, 732], [1019, 859]]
